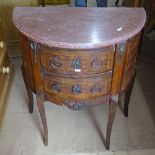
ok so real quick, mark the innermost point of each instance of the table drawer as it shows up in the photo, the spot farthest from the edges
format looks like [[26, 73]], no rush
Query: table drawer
[[5, 79], [76, 62], [54, 2], [78, 88]]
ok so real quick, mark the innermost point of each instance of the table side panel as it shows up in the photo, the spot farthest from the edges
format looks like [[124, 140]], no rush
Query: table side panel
[[132, 50], [27, 61]]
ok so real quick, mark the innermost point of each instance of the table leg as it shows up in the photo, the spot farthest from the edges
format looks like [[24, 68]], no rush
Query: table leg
[[116, 3], [112, 110], [29, 90], [43, 3], [40, 102], [127, 96]]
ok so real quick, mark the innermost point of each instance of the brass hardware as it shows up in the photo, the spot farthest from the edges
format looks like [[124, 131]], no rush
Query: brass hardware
[[5, 70], [96, 63], [56, 87], [76, 89], [1, 44], [74, 105], [120, 51], [34, 49], [76, 64], [56, 62], [115, 98], [96, 89]]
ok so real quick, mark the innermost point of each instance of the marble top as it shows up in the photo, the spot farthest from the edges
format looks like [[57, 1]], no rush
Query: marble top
[[78, 28]]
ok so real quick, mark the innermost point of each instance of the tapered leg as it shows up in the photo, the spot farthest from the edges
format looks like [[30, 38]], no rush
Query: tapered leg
[[116, 3], [127, 96], [40, 102], [43, 3], [29, 90], [112, 109]]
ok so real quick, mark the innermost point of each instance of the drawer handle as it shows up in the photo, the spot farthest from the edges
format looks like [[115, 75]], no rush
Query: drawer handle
[[76, 64], [56, 62], [96, 89], [56, 87], [96, 63], [5, 70], [1, 44], [76, 89]]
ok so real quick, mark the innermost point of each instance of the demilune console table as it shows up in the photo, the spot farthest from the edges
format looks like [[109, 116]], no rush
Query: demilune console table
[[79, 57]]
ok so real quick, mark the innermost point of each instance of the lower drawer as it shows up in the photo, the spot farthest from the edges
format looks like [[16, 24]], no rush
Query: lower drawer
[[78, 88], [54, 2], [5, 80]]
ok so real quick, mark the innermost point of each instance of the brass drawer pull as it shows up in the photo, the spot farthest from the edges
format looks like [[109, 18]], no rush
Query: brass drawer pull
[[1, 44], [5, 70], [96, 63], [96, 89], [56, 62], [76, 89], [76, 65], [56, 87]]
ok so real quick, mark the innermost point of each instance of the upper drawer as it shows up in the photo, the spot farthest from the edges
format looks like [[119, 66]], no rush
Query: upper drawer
[[2, 53], [76, 62], [54, 2]]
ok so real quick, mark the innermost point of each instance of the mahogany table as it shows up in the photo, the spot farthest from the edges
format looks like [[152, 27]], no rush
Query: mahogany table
[[79, 57]]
